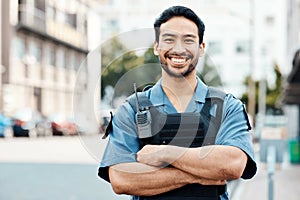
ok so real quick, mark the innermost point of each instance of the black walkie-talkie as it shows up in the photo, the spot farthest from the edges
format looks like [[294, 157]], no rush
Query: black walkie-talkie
[[143, 118]]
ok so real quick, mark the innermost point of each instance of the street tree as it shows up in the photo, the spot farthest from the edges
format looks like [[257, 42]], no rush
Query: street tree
[[273, 93]]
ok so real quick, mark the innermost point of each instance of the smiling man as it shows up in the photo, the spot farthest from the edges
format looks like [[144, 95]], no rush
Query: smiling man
[[178, 46], [199, 136]]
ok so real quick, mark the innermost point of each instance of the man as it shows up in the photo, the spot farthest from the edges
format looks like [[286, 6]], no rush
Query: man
[[155, 171]]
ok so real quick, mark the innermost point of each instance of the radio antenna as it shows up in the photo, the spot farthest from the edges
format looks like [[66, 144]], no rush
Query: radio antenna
[[136, 98]]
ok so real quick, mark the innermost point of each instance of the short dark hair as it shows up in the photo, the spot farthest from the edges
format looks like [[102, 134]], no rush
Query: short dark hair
[[179, 11]]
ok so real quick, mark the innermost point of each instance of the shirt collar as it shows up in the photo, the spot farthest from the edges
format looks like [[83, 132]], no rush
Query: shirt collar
[[157, 93], [201, 91]]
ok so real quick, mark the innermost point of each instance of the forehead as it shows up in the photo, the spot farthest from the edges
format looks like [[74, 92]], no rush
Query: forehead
[[179, 26]]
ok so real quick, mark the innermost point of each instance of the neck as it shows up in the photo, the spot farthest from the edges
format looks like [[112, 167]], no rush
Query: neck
[[180, 86], [179, 90]]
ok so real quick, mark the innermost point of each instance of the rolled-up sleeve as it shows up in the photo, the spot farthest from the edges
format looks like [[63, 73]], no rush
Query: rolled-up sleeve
[[234, 131], [123, 143]]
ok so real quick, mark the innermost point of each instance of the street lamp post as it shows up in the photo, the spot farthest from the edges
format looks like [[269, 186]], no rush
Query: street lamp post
[[251, 83]]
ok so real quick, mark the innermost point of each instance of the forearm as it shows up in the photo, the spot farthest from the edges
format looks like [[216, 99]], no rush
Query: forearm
[[143, 180], [213, 162]]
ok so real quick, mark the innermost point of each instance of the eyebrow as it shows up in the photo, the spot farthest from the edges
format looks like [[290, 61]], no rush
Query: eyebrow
[[173, 35], [168, 35], [190, 35]]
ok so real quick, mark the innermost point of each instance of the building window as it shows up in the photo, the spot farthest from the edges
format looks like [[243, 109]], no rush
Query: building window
[[50, 56], [40, 4], [242, 47], [270, 21], [113, 24], [215, 47], [35, 50], [60, 58], [74, 62], [18, 47], [71, 19], [51, 13]]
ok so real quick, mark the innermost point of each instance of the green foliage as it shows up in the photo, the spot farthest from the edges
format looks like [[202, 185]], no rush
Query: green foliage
[[244, 97], [110, 50], [149, 56], [118, 67], [121, 68], [273, 95]]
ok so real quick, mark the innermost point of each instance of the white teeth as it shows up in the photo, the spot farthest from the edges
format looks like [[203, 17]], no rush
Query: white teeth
[[178, 60]]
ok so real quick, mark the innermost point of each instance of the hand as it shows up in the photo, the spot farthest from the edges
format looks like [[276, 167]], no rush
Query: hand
[[151, 155], [159, 155]]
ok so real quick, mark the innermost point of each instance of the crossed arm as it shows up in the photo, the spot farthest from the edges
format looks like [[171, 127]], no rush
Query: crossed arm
[[209, 165]]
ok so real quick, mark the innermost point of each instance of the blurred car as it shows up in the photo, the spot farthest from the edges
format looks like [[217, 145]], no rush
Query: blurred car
[[69, 126], [43, 127], [28, 122], [56, 120], [63, 125], [19, 128], [5, 122]]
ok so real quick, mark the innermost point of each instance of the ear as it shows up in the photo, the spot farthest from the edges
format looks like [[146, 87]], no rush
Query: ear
[[202, 48], [155, 48]]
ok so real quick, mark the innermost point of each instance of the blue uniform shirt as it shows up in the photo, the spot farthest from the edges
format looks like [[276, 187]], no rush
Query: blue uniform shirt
[[123, 142]]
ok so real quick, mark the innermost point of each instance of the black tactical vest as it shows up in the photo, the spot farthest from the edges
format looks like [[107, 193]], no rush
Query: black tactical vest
[[185, 130]]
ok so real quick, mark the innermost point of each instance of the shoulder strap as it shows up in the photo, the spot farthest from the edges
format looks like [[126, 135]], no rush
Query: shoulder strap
[[109, 127], [214, 97], [143, 102], [217, 97], [215, 93]]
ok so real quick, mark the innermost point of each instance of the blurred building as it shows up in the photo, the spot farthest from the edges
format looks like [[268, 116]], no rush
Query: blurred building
[[243, 37], [292, 90], [44, 42], [293, 29], [246, 38]]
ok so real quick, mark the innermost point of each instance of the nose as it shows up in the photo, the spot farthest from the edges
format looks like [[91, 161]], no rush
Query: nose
[[178, 47]]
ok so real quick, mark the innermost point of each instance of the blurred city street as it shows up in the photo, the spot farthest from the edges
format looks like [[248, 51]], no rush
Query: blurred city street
[[50, 168], [66, 64], [286, 183], [61, 168]]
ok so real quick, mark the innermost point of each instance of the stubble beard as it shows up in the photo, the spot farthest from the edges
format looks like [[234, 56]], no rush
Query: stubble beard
[[168, 69], [184, 74]]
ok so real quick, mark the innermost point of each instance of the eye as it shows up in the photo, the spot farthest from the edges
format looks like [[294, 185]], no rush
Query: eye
[[168, 40], [189, 41]]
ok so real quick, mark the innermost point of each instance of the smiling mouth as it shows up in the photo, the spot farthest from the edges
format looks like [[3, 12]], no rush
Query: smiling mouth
[[178, 61]]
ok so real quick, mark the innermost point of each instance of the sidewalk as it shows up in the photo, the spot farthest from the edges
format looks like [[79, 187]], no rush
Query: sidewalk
[[73, 149], [286, 184]]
